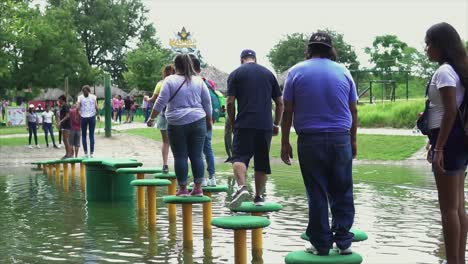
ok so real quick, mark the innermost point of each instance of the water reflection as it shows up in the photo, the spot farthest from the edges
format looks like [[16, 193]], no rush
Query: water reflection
[[41, 223]]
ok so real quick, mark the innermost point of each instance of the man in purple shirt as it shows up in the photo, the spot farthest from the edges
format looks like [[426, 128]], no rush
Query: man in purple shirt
[[321, 96]]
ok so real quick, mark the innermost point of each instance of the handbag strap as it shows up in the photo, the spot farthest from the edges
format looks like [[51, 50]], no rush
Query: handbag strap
[[178, 89]]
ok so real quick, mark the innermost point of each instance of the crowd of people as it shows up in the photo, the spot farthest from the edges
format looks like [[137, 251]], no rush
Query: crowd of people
[[320, 100]]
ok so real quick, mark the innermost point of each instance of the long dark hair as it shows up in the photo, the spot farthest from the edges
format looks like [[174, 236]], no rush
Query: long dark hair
[[184, 65], [445, 38]]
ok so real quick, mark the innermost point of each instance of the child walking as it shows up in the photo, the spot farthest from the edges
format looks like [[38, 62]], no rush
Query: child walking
[[32, 125], [75, 131]]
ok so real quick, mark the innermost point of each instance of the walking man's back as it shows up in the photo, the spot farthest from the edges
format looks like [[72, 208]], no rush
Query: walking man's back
[[254, 87]]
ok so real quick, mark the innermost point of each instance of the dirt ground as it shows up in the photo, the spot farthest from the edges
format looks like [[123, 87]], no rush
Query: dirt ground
[[118, 146]]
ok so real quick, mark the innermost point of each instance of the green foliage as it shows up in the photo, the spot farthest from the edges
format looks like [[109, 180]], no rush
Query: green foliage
[[291, 50], [388, 53], [397, 114], [145, 65]]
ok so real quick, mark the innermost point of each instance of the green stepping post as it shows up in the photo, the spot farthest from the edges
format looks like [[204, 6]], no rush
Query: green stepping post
[[240, 224], [171, 190], [103, 183], [187, 202], [207, 207], [302, 257], [150, 185], [358, 235], [257, 236], [140, 174]]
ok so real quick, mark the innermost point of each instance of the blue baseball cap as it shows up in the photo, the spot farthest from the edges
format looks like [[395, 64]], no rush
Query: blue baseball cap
[[247, 53]]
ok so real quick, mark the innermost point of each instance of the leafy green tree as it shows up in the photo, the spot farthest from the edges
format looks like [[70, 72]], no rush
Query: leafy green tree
[[388, 53], [145, 65], [291, 50]]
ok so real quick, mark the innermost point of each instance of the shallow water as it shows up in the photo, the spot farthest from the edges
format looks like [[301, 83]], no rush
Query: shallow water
[[41, 222]]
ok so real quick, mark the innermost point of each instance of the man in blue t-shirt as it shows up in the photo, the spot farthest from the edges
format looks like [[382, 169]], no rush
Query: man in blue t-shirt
[[253, 86], [321, 96]]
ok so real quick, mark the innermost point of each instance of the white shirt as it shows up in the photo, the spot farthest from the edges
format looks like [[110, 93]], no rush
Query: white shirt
[[443, 77], [87, 105], [47, 117]]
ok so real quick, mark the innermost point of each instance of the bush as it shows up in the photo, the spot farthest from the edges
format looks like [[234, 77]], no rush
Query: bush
[[401, 114]]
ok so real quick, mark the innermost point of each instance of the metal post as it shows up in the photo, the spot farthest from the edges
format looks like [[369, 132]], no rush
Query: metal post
[[407, 83], [370, 93], [107, 106]]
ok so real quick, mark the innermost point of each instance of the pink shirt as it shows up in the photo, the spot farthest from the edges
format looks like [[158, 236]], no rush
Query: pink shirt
[[115, 103], [75, 120]]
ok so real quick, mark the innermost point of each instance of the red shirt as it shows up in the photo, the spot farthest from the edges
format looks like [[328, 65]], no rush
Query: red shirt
[[75, 119]]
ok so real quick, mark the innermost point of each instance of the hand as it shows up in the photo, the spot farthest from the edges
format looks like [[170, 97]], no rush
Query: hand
[[354, 148], [438, 162], [150, 123], [286, 153], [99, 118], [429, 156], [209, 125], [275, 130]]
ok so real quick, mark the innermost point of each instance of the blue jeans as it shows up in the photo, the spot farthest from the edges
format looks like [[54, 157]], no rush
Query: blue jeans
[[48, 129], [209, 156], [32, 128], [326, 166], [187, 143], [85, 122]]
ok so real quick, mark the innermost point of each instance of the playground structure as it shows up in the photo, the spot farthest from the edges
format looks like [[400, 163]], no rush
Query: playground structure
[[368, 80]]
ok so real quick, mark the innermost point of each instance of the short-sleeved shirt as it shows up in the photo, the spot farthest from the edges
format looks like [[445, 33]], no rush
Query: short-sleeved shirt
[[47, 117], [128, 104], [64, 110], [253, 86], [321, 91], [87, 105], [32, 117], [445, 76], [75, 120], [158, 87]]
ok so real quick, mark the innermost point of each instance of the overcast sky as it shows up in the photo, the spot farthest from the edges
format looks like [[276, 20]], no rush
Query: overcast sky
[[223, 28]]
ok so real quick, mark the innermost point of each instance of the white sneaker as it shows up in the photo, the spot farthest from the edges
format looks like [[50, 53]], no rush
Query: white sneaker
[[59, 146], [347, 251], [309, 248], [37, 146], [212, 181], [30, 146], [86, 156], [91, 156]]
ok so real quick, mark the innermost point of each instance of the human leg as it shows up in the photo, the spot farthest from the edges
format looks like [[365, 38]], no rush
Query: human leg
[[165, 146], [92, 127], [314, 163], [46, 129], [34, 129], [195, 140], [463, 218], [66, 142], [209, 156], [262, 140], [178, 140], [84, 127], [30, 132]]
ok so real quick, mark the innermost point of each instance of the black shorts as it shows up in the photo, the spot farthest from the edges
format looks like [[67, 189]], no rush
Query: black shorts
[[455, 152], [248, 142]]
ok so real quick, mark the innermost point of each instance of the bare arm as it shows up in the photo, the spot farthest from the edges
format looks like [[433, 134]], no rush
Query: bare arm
[[231, 109], [286, 123], [448, 95], [354, 124]]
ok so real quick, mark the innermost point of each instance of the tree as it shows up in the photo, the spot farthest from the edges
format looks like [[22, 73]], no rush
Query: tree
[[145, 65], [387, 53], [106, 29], [291, 50]]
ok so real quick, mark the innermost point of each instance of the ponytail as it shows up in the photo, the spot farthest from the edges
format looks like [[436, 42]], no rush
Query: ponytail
[[184, 65]]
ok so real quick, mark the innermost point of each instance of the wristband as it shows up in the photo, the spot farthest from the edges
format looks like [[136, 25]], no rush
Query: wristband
[[438, 150], [275, 125]]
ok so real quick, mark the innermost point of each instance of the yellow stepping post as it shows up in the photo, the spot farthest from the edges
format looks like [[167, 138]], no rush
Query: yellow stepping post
[[240, 224], [150, 185], [187, 202], [171, 190], [207, 207], [257, 236]]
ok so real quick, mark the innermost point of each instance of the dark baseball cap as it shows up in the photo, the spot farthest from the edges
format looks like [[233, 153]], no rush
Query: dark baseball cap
[[321, 38], [247, 53]]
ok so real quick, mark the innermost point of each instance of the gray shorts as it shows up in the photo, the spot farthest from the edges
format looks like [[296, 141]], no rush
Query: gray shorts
[[161, 122], [74, 138]]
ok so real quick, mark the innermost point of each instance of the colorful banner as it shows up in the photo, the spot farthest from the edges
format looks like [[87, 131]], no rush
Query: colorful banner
[[16, 116]]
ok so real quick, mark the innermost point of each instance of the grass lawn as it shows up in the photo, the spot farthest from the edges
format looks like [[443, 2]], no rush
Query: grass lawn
[[13, 130], [370, 147]]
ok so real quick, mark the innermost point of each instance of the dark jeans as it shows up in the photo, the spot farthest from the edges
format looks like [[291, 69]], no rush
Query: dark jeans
[[187, 143], [85, 122], [60, 135], [326, 166], [48, 129], [32, 127], [209, 155]]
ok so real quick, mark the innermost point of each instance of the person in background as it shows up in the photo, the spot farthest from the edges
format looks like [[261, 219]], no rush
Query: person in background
[[75, 131], [448, 99], [147, 106], [128, 102], [2, 109], [88, 108], [116, 108], [47, 125], [33, 123], [322, 97], [161, 122], [189, 117], [254, 87], [57, 116], [64, 124], [133, 108], [207, 149]]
